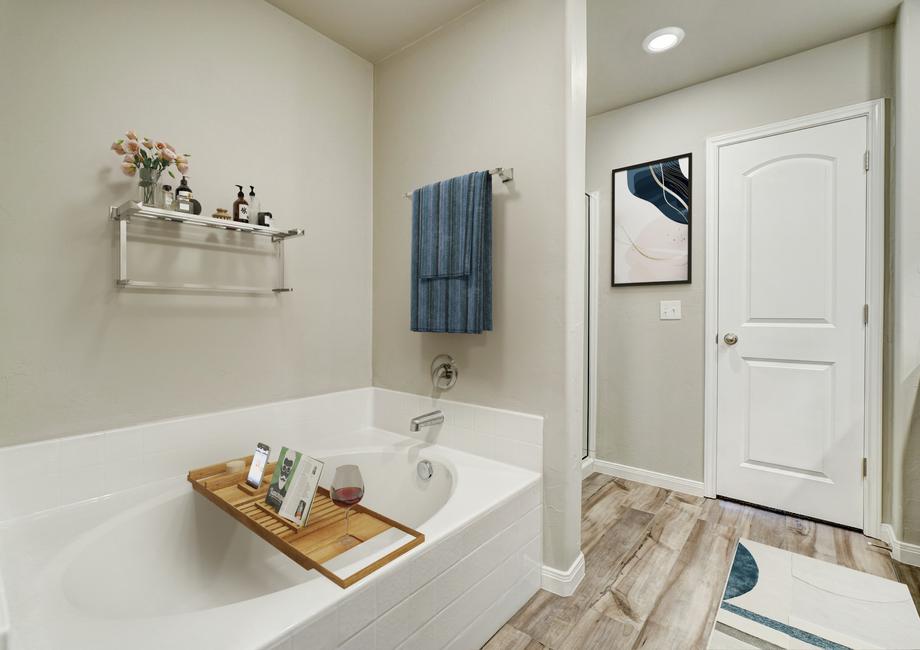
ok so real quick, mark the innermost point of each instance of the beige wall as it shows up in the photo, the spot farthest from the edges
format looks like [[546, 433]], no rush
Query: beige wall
[[255, 97], [650, 372], [903, 507], [487, 90]]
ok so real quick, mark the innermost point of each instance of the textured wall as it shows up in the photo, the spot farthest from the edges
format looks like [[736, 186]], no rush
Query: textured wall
[[255, 97], [903, 509], [486, 90]]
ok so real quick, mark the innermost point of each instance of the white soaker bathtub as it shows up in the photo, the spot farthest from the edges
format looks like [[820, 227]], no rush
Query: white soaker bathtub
[[161, 567]]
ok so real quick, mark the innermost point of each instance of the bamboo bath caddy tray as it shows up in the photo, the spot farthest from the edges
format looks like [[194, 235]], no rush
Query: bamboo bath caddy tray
[[317, 542]]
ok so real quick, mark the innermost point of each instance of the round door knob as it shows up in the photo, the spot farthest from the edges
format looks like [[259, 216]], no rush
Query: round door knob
[[730, 339]]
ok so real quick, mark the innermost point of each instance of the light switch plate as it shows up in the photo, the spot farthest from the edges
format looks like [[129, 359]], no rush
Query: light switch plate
[[669, 310]]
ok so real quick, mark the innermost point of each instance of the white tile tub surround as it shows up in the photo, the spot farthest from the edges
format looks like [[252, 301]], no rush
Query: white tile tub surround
[[507, 436], [95, 464], [456, 593]]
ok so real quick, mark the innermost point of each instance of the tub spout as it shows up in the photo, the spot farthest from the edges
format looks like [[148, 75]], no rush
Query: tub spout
[[426, 420]]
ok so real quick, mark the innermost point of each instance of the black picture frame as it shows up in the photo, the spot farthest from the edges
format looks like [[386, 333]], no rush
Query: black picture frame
[[613, 221]]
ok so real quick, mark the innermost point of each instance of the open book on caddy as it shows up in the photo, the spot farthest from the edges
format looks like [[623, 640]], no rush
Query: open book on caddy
[[293, 485]]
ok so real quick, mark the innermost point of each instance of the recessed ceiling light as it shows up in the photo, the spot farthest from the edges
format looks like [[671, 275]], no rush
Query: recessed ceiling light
[[663, 39]]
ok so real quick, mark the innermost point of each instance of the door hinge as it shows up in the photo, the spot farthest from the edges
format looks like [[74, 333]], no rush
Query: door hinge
[[865, 467], [865, 314], [866, 160]]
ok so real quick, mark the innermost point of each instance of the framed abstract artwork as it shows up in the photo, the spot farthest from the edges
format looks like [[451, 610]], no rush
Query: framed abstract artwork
[[652, 222]]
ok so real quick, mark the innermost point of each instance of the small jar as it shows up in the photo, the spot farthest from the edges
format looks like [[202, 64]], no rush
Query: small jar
[[166, 197], [184, 203]]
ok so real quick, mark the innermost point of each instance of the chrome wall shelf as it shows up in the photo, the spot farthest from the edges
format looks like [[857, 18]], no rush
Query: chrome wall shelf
[[129, 210]]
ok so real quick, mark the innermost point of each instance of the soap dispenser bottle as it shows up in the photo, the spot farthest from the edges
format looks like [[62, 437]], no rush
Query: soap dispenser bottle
[[183, 200], [253, 205], [240, 207]]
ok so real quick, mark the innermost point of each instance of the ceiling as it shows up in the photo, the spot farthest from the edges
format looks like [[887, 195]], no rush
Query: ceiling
[[374, 29], [722, 36]]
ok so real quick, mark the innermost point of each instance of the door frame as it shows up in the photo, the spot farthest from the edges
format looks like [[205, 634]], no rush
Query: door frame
[[592, 233], [594, 238], [874, 111]]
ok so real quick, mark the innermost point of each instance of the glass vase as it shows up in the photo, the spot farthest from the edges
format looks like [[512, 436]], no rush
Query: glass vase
[[147, 186]]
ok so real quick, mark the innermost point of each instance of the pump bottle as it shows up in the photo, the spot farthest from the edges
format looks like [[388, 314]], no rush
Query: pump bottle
[[240, 207], [253, 205]]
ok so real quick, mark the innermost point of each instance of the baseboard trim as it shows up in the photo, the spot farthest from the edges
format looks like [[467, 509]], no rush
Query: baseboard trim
[[587, 467], [666, 481], [564, 583], [903, 552]]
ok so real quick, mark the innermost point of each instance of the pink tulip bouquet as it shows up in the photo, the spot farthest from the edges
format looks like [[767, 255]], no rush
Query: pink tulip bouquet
[[151, 158]]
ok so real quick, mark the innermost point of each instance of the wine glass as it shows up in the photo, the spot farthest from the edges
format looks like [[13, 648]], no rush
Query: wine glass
[[346, 490]]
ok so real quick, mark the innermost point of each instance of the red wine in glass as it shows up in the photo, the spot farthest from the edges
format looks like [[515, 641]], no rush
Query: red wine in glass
[[346, 490], [347, 496]]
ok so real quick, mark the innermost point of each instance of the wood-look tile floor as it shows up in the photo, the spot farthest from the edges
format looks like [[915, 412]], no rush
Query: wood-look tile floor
[[656, 562]]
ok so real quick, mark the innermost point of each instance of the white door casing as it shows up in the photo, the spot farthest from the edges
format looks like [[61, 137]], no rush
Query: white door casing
[[794, 254], [594, 284]]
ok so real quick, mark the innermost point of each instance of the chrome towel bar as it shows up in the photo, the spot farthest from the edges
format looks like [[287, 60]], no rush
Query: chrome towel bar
[[506, 174]]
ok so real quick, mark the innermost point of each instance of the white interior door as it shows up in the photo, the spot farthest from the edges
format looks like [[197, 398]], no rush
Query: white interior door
[[792, 339]]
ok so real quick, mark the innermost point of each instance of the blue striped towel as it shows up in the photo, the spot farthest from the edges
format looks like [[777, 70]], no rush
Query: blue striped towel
[[452, 255]]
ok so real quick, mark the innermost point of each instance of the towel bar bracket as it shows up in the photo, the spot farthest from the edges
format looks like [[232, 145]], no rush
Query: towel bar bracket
[[506, 174]]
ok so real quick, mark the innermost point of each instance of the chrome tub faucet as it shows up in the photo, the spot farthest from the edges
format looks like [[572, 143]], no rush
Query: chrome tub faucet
[[426, 420]]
